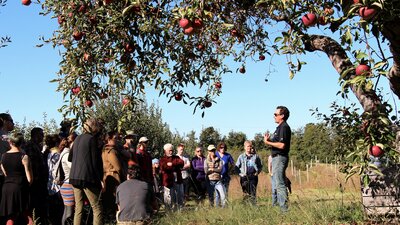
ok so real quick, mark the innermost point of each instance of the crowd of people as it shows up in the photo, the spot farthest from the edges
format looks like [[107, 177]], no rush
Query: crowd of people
[[99, 175]]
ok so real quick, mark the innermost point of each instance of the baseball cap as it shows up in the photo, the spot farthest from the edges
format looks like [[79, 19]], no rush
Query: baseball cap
[[143, 139], [211, 148], [130, 134]]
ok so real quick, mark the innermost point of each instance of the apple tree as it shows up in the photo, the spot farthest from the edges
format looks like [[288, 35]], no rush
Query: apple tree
[[126, 47], [4, 40]]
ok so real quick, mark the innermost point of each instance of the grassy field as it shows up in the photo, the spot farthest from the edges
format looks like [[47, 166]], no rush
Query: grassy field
[[324, 199]]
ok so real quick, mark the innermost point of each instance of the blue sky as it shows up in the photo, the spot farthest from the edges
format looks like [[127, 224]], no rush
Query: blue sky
[[247, 103]]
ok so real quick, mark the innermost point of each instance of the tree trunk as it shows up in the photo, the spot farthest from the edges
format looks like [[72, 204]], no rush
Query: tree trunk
[[340, 61]]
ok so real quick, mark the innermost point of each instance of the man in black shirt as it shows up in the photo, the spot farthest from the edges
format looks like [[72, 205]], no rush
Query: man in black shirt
[[280, 143]]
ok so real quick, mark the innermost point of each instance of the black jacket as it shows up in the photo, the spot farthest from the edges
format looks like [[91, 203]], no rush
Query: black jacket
[[87, 165]]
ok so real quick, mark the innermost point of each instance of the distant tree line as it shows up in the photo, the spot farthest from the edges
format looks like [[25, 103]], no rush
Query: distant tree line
[[313, 141]]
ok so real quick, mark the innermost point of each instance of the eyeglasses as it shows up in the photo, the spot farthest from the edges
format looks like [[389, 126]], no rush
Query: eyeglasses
[[276, 114], [222, 147], [198, 151]]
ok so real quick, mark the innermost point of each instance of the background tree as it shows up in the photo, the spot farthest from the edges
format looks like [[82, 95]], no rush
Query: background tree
[[128, 46], [209, 136], [259, 143], [191, 142], [49, 126], [143, 119], [235, 139]]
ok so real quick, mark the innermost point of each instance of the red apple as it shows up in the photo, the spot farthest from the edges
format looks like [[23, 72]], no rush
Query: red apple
[[200, 47], [129, 48], [366, 12], [189, 30], [125, 101], [106, 2], [26, 2], [136, 8], [76, 90], [103, 95], [78, 35], [184, 23], [329, 11], [87, 56], [376, 151], [197, 23], [82, 8], [60, 19], [356, 1], [207, 104], [234, 33], [66, 43], [310, 19], [242, 70], [218, 85], [261, 57], [93, 20], [178, 96], [361, 69], [89, 103]]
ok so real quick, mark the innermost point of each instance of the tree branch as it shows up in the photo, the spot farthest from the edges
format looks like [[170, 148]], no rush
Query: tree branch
[[341, 62], [391, 31]]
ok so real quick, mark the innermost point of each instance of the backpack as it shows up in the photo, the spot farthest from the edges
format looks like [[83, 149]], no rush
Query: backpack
[[58, 172]]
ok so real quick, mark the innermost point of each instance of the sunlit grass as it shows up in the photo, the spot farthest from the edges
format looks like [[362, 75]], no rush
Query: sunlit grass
[[324, 199], [305, 211]]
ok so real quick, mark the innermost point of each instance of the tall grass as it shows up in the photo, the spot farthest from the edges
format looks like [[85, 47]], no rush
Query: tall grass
[[325, 199], [307, 211]]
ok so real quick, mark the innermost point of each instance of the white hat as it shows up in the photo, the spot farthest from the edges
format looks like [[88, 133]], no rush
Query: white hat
[[143, 139], [211, 148], [130, 134]]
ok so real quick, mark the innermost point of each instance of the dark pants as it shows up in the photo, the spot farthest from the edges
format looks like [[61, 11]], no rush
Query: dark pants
[[56, 209], [249, 188], [2, 220], [200, 188]]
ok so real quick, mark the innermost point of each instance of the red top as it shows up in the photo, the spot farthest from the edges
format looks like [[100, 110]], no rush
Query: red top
[[168, 173], [143, 158]]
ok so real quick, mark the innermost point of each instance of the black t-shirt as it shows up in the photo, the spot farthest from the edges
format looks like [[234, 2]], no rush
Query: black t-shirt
[[282, 134]]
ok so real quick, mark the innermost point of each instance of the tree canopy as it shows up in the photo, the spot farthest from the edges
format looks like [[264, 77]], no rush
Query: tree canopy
[[125, 47]]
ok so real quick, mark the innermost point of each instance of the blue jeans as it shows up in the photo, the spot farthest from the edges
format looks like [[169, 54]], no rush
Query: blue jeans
[[279, 165], [219, 189], [274, 193], [173, 197], [225, 182]]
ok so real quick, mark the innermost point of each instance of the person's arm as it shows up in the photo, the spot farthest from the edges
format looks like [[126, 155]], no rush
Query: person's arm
[[205, 167], [164, 167], [238, 165], [284, 134], [259, 164], [2, 169], [66, 156], [279, 145], [186, 166], [28, 168], [219, 168], [178, 162], [270, 165]]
